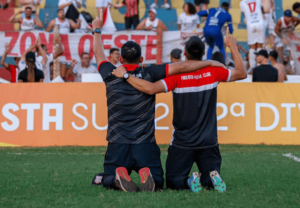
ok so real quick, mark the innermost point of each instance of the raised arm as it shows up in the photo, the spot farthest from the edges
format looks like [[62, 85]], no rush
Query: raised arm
[[203, 13], [50, 26], [6, 66], [23, 57], [60, 50], [277, 28], [240, 71], [41, 50], [75, 25], [97, 45], [37, 21], [13, 18], [229, 22], [62, 6]]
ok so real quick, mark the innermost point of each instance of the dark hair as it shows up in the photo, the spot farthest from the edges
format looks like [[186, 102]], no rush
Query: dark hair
[[192, 9], [194, 48], [30, 71], [296, 6], [84, 53], [225, 4], [218, 56], [28, 8], [274, 54], [113, 50], [131, 52], [60, 10]]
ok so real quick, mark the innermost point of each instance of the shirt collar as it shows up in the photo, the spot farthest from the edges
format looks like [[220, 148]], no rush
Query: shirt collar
[[131, 67]]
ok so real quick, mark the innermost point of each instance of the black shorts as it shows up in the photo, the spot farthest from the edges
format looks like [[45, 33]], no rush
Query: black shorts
[[198, 2], [180, 162], [129, 21], [133, 157]]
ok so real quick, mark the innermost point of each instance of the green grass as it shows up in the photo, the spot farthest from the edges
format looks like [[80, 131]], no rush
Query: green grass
[[256, 176]]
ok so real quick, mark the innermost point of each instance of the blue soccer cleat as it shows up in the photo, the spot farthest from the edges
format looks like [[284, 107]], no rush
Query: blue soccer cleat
[[194, 182], [217, 181]]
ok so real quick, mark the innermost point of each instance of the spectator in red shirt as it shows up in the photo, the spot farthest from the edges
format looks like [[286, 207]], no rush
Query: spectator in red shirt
[[13, 69], [132, 12]]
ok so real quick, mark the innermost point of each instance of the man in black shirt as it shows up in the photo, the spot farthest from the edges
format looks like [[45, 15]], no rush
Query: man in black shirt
[[264, 72], [130, 134], [195, 138]]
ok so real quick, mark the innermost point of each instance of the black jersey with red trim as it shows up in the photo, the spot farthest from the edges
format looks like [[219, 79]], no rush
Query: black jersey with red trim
[[195, 106], [131, 113]]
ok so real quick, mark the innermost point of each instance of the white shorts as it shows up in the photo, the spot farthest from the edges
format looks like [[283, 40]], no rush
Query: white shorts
[[279, 43], [256, 33], [102, 3]]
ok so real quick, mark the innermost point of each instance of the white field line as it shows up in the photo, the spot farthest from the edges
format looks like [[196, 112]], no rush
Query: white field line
[[289, 155]]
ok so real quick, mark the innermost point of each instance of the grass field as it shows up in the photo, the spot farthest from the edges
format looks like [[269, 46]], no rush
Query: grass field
[[256, 176]]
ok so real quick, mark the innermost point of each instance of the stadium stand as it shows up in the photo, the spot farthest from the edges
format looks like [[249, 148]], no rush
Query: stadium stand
[[48, 9]]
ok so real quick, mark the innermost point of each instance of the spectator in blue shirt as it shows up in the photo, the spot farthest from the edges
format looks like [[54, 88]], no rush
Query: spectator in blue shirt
[[216, 18]]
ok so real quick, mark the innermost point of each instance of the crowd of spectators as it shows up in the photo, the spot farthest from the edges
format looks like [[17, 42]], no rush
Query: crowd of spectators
[[71, 20]]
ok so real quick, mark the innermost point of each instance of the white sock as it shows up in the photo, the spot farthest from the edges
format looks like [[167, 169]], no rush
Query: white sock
[[252, 57]]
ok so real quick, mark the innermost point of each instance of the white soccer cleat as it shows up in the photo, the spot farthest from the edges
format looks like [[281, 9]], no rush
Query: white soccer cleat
[[166, 6]]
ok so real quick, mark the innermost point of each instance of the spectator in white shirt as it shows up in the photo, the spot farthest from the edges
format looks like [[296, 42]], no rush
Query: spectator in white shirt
[[85, 66], [151, 23], [74, 14], [188, 20], [114, 54], [27, 23], [65, 24]]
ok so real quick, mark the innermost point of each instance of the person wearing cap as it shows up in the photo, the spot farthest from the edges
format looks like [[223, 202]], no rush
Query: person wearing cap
[[195, 139], [285, 27], [264, 72], [31, 73], [151, 22], [131, 129], [176, 55]]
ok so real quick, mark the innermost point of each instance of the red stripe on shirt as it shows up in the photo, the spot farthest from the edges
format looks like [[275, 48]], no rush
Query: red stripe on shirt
[[101, 64]]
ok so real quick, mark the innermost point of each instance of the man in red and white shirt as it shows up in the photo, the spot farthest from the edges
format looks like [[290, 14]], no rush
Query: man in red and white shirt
[[13, 69], [132, 12], [195, 137]]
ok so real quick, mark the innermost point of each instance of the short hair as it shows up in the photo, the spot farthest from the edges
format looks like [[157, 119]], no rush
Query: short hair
[[131, 52], [60, 10], [84, 53], [194, 48], [274, 54], [225, 4], [112, 50], [296, 6], [192, 8], [28, 8], [218, 56]]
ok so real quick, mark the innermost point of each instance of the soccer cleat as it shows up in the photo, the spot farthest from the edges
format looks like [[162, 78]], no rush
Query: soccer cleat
[[166, 6], [194, 182], [217, 181], [124, 182], [153, 6], [147, 182]]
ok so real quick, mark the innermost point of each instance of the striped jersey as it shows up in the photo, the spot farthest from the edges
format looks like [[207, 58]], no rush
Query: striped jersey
[[132, 7], [131, 113], [195, 106]]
